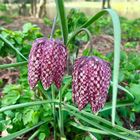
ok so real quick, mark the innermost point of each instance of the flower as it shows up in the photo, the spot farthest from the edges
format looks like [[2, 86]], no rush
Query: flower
[[91, 80], [47, 62]]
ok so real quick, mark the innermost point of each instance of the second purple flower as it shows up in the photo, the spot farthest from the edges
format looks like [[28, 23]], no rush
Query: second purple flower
[[91, 79], [47, 62]]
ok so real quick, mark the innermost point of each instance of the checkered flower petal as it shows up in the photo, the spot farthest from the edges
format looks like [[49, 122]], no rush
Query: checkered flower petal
[[34, 64], [47, 62], [53, 63], [93, 78], [60, 54], [76, 77]]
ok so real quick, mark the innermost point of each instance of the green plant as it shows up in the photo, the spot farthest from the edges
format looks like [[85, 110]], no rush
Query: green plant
[[39, 104]]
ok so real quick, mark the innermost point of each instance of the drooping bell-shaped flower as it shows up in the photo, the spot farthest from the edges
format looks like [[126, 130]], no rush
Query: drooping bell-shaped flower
[[91, 80], [47, 62]]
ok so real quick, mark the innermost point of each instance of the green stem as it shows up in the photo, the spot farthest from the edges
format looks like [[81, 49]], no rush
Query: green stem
[[73, 35], [108, 106], [125, 90], [4, 66], [54, 111], [61, 115], [97, 118], [27, 104], [106, 129], [13, 136], [11, 45], [62, 19], [53, 27], [34, 135]]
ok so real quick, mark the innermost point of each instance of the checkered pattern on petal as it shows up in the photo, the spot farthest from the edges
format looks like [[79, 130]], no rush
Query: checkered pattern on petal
[[76, 71], [91, 82], [53, 63], [35, 62], [47, 62], [60, 54]]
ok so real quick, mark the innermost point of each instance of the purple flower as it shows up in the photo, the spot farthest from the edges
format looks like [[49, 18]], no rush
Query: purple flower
[[91, 80], [47, 62]]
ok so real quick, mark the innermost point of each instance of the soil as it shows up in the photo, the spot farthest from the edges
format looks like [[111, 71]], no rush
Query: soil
[[19, 21]]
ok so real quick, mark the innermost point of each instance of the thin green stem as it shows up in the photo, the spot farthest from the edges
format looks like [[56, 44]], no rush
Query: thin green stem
[[125, 90], [108, 106], [21, 132], [61, 115], [4, 66], [27, 104], [11, 45], [34, 135], [62, 19], [79, 31], [53, 27], [104, 121], [54, 110], [106, 129]]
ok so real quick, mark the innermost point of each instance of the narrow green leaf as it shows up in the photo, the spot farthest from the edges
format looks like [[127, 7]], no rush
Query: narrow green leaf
[[62, 18], [119, 104], [104, 121], [88, 129], [28, 104], [125, 90], [34, 135], [4, 66], [72, 36], [106, 129], [11, 45], [21, 132]]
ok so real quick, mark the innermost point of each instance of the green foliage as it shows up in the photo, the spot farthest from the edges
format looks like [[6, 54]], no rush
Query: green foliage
[[3, 7], [20, 39], [27, 117]]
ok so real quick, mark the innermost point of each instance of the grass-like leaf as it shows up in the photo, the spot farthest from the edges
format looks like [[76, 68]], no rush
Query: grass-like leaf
[[62, 18], [97, 125], [100, 120], [11, 45], [21, 132], [4, 66], [88, 129]]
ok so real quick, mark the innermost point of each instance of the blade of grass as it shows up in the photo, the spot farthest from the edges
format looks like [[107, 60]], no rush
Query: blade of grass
[[53, 27], [97, 125], [4, 66], [54, 110], [119, 104], [100, 119], [21, 132], [34, 135], [72, 36], [62, 18], [117, 44], [61, 123], [11, 45], [16, 106], [125, 90]]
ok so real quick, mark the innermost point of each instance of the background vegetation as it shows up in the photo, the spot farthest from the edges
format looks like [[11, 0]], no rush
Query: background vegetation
[[15, 89]]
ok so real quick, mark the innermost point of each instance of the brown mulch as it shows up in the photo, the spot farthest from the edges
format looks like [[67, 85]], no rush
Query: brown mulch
[[18, 22]]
